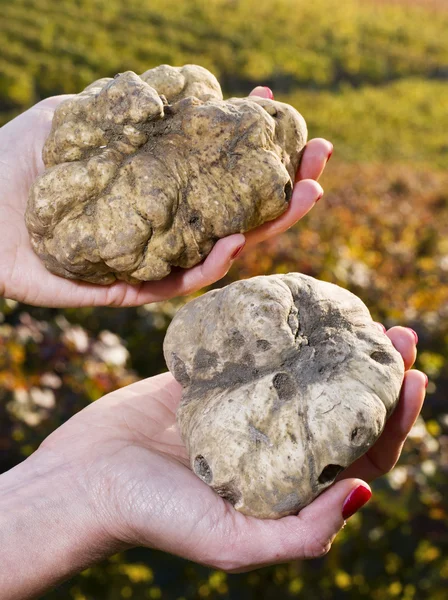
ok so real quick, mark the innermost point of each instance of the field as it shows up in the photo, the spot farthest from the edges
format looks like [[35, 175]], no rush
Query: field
[[371, 77]]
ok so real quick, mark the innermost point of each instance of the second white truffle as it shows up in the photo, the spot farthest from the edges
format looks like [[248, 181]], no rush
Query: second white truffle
[[287, 381]]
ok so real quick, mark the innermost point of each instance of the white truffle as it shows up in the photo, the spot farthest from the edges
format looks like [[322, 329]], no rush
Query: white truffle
[[145, 173], [287, 381]]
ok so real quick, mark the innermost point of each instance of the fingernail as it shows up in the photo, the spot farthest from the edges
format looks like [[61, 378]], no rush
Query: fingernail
[[426, 380], [319, 197], [381, 326], [270, 92], [355, 500], [414, 334], [330, 153], [237, 251]]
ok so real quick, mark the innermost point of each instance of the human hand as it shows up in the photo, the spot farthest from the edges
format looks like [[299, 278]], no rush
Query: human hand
[[22, 275], [154, 499], [117, 475]]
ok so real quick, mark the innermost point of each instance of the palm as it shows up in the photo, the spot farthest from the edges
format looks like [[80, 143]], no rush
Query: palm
[[128, 443], [136, 474], [143, 417], [28, 281], [149, 411]]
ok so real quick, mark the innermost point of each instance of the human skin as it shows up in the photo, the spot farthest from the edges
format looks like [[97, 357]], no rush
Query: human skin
[[24, 278], [116, 475]]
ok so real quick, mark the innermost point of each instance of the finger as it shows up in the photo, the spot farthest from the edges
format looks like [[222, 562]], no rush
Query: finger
[[183, 282], [310, 534], [52, 102], [121, 294], [263, 92], [315, 156], [386, 451], [304, 196], [405, 341], [215, 266]]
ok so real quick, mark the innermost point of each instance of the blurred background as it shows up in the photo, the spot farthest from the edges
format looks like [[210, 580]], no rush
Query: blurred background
[[371, 76]]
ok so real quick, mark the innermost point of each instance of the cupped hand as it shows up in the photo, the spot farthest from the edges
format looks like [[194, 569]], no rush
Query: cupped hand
[[22, 275], [126, 457]]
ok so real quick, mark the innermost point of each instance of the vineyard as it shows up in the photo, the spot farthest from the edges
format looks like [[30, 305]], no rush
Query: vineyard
[[373, 78]]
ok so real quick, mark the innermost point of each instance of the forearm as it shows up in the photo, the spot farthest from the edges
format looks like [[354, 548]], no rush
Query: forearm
[[47, 532]]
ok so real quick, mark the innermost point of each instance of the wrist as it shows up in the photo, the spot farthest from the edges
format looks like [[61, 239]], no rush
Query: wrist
[[48, 529]]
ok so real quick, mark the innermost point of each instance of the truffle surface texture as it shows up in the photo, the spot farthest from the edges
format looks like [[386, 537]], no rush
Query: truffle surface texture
[[286, 382], [145, 173]]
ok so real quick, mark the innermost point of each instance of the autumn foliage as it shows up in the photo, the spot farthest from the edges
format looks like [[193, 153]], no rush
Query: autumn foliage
[[371, 77]]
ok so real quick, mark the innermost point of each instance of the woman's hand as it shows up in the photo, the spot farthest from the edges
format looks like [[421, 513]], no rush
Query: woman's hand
[[22, 275], [116, 475]]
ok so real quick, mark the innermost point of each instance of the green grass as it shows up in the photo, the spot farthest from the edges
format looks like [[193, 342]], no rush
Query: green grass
[[405, 121], [53, 46]]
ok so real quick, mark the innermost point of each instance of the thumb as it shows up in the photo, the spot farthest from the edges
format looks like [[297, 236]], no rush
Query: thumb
[[322, 520], [307, 535]]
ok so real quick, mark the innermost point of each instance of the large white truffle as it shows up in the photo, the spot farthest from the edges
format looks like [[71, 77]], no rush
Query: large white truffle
[[145, 173], [287, 381]]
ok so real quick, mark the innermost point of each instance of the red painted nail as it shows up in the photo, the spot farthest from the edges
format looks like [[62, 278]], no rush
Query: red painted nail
[[355, 500], [426, 380], [414, 334], [270, 92], [237, 251], [330, 154], [319, 197]]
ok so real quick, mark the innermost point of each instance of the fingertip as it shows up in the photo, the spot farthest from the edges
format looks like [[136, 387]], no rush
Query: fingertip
[[412, 396], [414, 334], [404, 341], [226, 247], [315, 156], [237, 251], [322, 147], [404, 333], [220, 259], [308, 190], [262, 92], [304, 196], [323, 142], [356, 499], [417, 381]]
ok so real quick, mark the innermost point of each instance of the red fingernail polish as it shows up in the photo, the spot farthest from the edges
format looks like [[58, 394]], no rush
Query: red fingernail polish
[[414, 334], [319, 197], [237, 251], [330, 153], [355, 500], [270, 92], [427, 380]]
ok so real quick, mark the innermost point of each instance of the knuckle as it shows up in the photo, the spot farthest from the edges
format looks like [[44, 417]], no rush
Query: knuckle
[[317, 550], [228, 565], [316, 546], [225, 558]]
